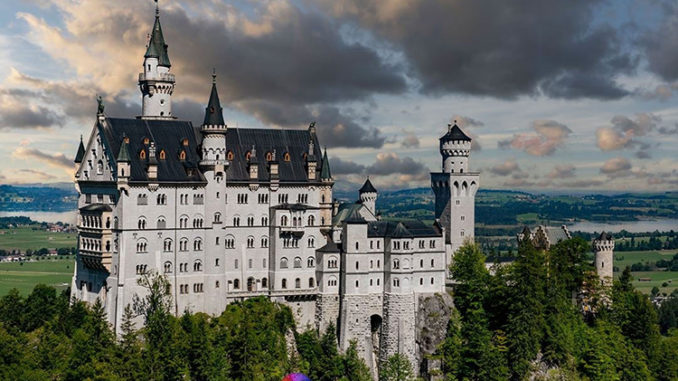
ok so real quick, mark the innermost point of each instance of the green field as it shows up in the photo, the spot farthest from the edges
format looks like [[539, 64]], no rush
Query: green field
[[657, 279], [24, 238], [25, 275], [627, 258]]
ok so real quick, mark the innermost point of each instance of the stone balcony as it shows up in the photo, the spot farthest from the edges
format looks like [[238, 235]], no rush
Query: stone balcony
[[162, 77]]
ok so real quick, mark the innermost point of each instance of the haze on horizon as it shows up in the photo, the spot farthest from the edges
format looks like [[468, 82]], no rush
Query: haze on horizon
[[567, 95]]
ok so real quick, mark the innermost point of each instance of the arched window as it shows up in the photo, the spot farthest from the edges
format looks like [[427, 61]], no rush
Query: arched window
[[283, 220], [311, 220], [310, 262], [142, 155], [167, 267], [311, 282], [297, 283], [167, 245], [100, 167], [284, 283], [269, 156], [396, 264], [264, 241], [217, 217], [141, 246], [197, 266], [183, 244], [184, 142], [250, 242], [286, 156], [283, 263], [297, 262], [356, 245], [264, 282], [161, 222], [251, 284], [229, 155], [197, 244], [182, 155], [311, 241], [236, 284], [141, 224], [162, 154]]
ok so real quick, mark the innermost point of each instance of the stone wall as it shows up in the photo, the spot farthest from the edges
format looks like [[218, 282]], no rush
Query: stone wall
[[398, 329], [326, 312]]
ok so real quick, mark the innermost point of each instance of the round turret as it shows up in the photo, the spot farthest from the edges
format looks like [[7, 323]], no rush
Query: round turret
[[455, 147], [603, 247]]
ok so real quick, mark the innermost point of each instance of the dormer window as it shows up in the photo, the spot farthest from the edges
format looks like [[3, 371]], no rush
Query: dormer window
[[162, 154], [248, 155], [286, 157], [184, 142], [269, 156], [146, 141], [182, 155], [126, 139], [229, 155], [142, 155]]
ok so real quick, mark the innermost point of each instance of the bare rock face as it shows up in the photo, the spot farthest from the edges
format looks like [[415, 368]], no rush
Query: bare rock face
[[433, 314]]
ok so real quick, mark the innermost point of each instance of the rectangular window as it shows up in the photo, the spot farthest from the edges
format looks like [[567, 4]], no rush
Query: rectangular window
[[88, 198]]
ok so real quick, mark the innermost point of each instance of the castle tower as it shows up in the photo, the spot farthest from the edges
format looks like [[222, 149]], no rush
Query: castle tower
[[155, 82], [455, 189], [368, 196], [603, 247], [213, 130]]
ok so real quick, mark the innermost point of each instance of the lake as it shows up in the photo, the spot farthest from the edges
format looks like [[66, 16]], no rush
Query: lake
[[629, 226], [67, 217]]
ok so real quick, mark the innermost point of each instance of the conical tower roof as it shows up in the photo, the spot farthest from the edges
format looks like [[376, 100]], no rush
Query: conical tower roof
[[325, 173], [123, 154], [368, 187], [455, 133], [81, 152], [156, 45], [214, 113]]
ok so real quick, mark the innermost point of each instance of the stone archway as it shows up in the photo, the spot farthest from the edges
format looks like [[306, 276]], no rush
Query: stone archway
[[375, 329]]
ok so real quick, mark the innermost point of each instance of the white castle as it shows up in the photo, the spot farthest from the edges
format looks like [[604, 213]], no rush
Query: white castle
[[233, 213]]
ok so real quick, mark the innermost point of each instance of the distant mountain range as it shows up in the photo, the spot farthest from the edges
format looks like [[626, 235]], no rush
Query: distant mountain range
[[493, 207]]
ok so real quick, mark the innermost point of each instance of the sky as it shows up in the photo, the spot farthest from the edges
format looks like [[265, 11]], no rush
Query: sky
[[575, 95]]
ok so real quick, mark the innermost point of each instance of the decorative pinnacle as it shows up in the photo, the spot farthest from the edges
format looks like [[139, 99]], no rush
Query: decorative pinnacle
[[214, 75], [157, 9]]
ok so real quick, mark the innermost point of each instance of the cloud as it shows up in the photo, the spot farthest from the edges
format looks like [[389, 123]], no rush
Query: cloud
[[390, 163], [562, 172], [58, 160], [615, 166], [345, 167], [283, 65], [549, 136], [410, 141], [465, 121], [625, 131], [662, 52], [582, 183], [521, 47], [506, 168]]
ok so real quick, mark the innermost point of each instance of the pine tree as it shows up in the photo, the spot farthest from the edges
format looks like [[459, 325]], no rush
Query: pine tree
[[396, 368]]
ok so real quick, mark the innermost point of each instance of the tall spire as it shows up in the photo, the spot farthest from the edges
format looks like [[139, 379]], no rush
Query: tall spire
[[325, 169], [81, 152], [214, 113], [157, 47]]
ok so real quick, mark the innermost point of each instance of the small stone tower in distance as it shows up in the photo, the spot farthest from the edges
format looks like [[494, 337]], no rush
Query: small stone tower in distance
[[455, 189], [368, 196], [603, 247], [155, 82]]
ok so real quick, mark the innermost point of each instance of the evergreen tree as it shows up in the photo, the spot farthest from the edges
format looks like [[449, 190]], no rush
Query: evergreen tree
[[396, 368], [354, 367]]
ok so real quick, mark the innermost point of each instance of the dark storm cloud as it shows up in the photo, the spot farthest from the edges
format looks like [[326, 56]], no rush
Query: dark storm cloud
[[345, 167], [500, 48], [661, 49], [297, 73], [21, 116]]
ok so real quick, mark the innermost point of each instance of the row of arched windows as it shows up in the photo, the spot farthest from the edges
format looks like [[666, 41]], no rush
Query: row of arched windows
[[297, 283], [90, 244], [310, 262]]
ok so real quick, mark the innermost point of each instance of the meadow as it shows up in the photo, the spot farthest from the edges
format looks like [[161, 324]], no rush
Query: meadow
[[25, 275], [33, 238]]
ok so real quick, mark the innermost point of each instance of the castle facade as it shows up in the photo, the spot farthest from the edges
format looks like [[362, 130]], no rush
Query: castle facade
[[233, 213]]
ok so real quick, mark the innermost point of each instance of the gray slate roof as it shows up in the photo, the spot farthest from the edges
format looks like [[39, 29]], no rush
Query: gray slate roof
[[368, 187], [81, 152], [167, 135], [401, 229], [156, 46], [294, 142]]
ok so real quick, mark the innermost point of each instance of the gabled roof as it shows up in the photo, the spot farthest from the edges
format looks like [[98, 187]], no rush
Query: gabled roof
[[368, 187], [156, 45], [455, 133], [325, 173], [355, 218], [214, 113], [330, 247], [293, 142], [81, 152], [168, 136]]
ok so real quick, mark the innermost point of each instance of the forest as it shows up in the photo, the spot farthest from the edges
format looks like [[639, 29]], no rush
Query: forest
[[516, 322]]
